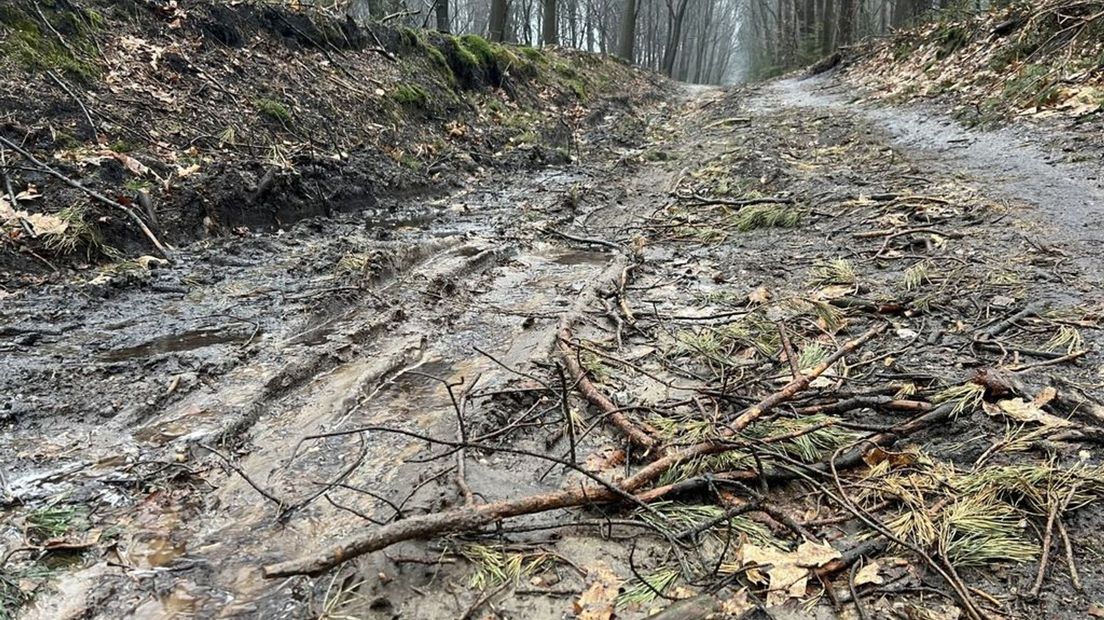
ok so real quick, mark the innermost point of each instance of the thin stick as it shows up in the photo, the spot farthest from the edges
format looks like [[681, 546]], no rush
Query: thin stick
[[599, 400], [1052, 514], [461, 454], [68, 91], [565, 407], [7, 179], [1075, 577], [474, 517], [91, 192], [787, 348], [238, 470]]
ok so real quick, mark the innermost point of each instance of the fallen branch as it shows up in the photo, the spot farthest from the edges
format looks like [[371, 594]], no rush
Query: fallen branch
[[637, 436], [474, 517], [91, 192]]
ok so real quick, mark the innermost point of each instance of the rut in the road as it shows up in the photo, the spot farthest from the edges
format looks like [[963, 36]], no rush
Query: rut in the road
[[816, 370]]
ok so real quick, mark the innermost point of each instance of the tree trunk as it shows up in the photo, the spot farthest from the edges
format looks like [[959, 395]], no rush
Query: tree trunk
[[443, 15], [673, 38], [828, 28], [846, 22], [497, 25], [548, 25], [628, 31]]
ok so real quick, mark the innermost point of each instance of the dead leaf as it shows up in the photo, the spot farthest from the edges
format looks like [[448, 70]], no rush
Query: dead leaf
[[1046, 395], [737, 605], [597, 602], [28, 194], [929, 611], [759, 296], [151, 262], [131, 164], [604, 459], [39, 223], [786, 572], [869, 574], [895, 459], [185, 171], [1021, 411], [835, 291]]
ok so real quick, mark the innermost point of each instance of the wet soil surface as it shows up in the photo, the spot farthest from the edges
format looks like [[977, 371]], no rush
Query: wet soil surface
[[264, 398], [1020, 163]]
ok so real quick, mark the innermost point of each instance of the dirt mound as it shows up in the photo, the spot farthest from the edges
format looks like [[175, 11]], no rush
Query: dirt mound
[[199, 119], [1038, 60]]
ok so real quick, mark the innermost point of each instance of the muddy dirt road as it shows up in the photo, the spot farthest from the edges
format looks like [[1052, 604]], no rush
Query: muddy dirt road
[[169, 430]]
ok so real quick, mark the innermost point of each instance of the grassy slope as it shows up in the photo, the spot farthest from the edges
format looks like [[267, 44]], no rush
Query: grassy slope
[[246, 117]]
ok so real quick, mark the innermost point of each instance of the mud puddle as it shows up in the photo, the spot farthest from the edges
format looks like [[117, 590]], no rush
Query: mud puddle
[[162, 377]]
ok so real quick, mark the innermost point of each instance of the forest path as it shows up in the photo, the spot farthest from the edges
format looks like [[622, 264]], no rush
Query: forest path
[[246, 346], [678, 259], [1015, 162]]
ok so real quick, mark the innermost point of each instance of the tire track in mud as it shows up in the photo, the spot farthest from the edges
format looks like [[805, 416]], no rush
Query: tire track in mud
[[190, 537]]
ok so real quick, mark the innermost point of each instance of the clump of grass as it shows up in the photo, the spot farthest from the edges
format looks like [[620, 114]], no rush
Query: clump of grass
[[482, 49], [13, 592], [595, 367], [678, 517], [410, 37], [917, 276], [77, 233], [52, 521], [679, 428], [966, 397], [977, 531], [410, 95], [648, 588], [273, 109], [356, 263], [579, 88], [137, 184], [812, 444], [34, 48], [464, 56], [766, 216], [438, 57], [495, 566], [533, 54], [1068, 339], [341, 593], [812, 355], [704, 234], [979, 517], [526, 138], [835, 271], [712, 345]]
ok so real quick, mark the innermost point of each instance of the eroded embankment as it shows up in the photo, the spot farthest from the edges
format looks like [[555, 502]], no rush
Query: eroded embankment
[[205, 119]]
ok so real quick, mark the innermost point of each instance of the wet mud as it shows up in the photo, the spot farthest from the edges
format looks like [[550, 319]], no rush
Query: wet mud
[[266, 397]]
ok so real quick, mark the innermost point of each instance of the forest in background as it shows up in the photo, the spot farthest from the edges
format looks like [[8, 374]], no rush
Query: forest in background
[[699, 41]]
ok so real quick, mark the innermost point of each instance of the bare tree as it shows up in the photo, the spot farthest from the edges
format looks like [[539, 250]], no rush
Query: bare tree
[[628, 32], [496, 28]]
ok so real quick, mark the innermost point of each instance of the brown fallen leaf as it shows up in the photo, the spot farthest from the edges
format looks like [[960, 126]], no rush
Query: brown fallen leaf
[[785, 572], [895, 459], [869, 573], [759, 296], [604, 459], [598, 601], [1022, 411]]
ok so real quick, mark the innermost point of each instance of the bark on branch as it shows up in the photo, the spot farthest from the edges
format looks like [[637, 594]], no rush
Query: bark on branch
[[474, 517]]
